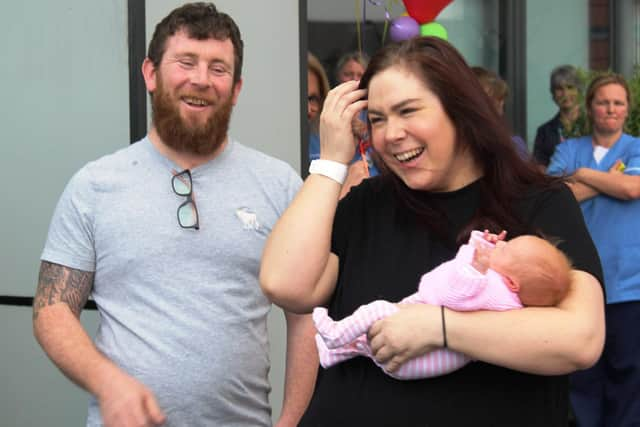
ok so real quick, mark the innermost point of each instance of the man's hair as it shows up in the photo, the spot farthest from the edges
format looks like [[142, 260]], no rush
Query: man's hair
[[199, 21]]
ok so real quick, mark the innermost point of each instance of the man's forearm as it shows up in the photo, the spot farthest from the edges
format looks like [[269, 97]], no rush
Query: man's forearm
[[301, 368], [61, 294], [67, 344]]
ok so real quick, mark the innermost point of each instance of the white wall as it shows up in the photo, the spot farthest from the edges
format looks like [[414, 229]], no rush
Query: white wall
[[64, 102]]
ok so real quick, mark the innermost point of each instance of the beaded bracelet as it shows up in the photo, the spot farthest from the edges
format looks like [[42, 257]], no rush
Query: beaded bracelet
[[444, 328]]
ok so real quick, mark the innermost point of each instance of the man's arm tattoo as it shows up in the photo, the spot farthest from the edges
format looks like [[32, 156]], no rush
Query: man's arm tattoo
[[62, 284]]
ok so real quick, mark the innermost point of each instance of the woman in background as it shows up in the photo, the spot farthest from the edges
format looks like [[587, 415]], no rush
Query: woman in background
[[603, 170], [569, 121]]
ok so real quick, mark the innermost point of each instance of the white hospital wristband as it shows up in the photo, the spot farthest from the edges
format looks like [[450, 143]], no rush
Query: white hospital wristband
[[334, 170]]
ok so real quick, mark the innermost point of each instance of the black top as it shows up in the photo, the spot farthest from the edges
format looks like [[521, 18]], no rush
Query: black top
[[383, 252], [547, 137]]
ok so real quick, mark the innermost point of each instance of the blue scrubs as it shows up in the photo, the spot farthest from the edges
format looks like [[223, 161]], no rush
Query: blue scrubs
[[606, 394]]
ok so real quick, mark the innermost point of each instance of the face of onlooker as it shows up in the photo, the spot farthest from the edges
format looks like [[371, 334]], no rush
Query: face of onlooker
[[565, 96], [313, 96], [609, 109], [352, 70]]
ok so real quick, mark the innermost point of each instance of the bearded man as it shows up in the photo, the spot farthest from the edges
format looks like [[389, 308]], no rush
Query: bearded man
[[166, 237]]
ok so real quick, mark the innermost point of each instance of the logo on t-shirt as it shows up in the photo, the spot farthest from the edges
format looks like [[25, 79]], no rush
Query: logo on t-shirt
[[249, 219]]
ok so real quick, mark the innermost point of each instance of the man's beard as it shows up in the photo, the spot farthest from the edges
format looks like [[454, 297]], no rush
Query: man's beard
[[183, 137]]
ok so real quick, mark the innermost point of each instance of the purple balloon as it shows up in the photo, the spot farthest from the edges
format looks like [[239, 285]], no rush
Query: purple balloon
[[404, 28]]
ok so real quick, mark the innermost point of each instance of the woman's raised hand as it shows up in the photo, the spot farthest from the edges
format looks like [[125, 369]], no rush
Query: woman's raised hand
[[337, 141]]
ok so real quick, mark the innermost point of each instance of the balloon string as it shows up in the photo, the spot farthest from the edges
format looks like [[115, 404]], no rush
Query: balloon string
[[358, 26], [364, 25], [387, 15]]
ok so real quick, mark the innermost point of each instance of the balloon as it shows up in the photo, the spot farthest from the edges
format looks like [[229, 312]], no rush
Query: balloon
[[425, 11], [434, 29], [403, 28]]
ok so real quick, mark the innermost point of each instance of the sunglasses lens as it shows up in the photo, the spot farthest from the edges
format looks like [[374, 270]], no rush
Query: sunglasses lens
[[182, 184], [187, 215]]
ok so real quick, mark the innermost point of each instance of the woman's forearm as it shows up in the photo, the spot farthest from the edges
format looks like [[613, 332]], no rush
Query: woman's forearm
[[297, 251], [582, 191], [618, 185], [547, 341]]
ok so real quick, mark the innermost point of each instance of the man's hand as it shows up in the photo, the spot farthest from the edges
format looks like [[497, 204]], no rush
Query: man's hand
[[125, 402]]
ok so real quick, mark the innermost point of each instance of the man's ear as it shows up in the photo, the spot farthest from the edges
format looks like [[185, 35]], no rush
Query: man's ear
[[149, 75], [236, 91]]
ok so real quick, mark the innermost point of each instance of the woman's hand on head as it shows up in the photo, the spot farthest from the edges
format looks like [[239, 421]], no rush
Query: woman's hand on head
[[337, 141], [414, 330]]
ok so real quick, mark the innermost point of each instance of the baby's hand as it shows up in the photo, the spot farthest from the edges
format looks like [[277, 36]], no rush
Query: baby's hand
[[485, 239], [493, 238], [480, 259]]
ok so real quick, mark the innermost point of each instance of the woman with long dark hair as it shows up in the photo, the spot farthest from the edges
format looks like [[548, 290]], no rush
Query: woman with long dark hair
[[449, 166]]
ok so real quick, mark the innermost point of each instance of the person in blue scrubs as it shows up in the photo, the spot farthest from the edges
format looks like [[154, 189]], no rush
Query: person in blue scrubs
[[603, 171]]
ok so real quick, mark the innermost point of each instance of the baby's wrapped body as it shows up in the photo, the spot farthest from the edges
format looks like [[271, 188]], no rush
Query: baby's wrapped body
[[454, 284]]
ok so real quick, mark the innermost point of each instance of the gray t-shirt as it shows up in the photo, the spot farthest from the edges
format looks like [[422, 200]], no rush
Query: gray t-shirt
[[180, 309]]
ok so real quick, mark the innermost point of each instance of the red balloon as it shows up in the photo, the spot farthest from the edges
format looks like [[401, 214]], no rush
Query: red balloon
[[425, 11]]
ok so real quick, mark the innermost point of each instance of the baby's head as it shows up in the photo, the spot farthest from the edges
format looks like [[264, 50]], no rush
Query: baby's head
[[536, 269]]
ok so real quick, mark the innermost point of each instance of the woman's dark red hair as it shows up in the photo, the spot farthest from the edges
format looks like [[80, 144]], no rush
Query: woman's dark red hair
[[479, 129]]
